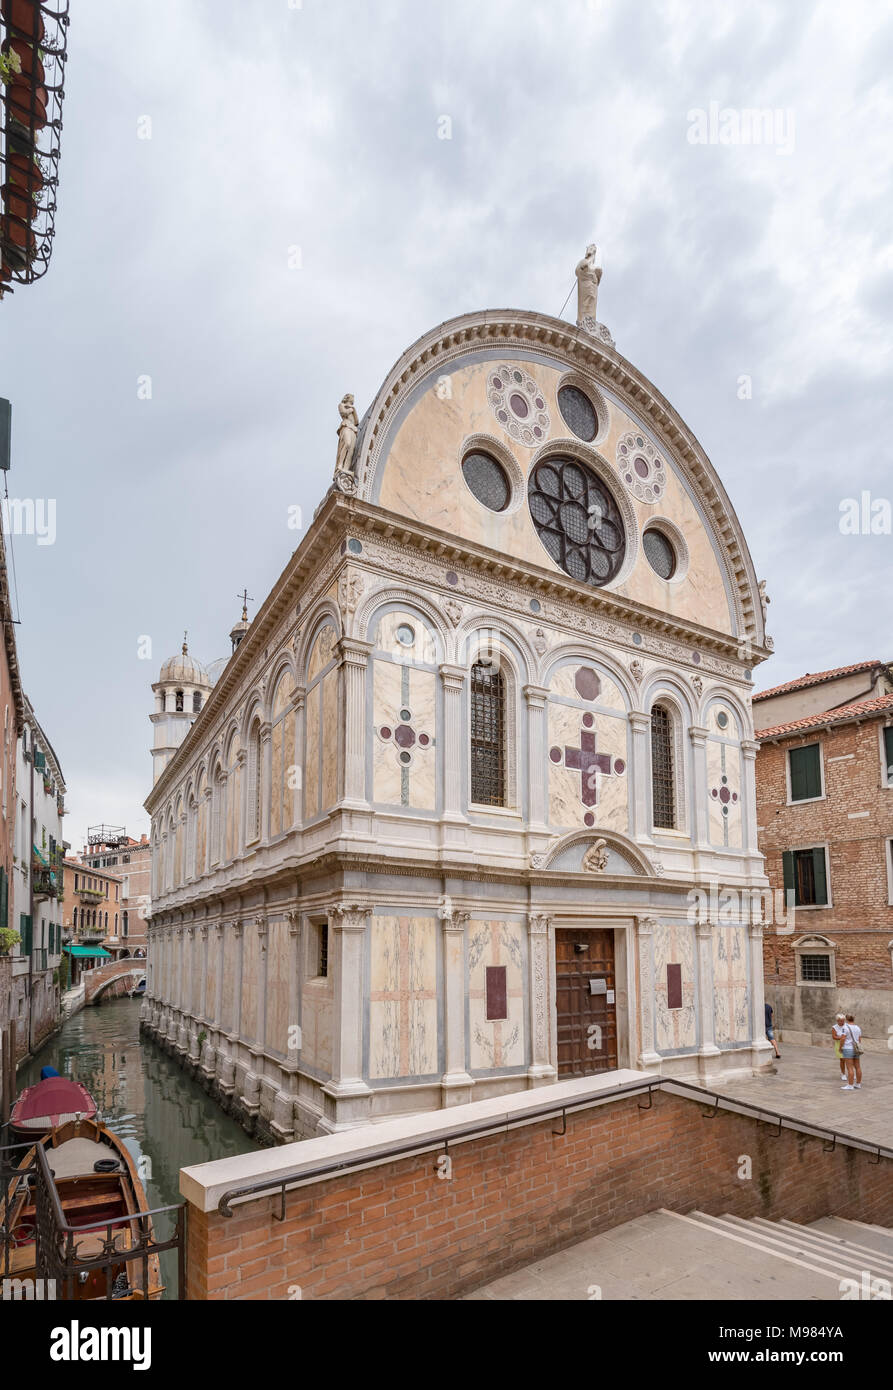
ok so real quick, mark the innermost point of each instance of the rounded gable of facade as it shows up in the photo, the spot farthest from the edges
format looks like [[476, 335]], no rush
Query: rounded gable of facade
[[644, 470]]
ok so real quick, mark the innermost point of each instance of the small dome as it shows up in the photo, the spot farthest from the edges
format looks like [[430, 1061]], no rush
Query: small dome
[[216, 669], [183, 669]]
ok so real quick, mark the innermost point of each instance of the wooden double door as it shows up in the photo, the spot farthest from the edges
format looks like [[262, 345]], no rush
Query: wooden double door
[[584, 1000]]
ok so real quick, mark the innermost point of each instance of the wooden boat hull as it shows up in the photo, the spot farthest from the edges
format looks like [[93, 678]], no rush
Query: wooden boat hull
[[87, 1197]]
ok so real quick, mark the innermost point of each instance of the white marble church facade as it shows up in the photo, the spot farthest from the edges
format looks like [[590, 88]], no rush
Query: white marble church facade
[[434, 834]]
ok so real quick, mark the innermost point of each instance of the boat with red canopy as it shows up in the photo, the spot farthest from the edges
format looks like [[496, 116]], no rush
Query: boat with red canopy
[[50, 1103]]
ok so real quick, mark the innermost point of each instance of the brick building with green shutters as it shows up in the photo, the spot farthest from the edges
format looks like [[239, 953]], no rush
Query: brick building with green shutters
[[824, 777]]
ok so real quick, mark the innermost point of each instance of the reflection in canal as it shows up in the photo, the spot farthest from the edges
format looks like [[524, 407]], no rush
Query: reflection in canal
[[165, 1119]]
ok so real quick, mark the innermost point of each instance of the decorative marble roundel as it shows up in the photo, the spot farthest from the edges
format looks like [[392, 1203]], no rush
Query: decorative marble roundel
[[518, 404], [641, 467]]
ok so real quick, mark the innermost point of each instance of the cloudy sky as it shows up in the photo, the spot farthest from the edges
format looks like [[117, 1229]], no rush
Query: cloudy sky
[[296, 219]]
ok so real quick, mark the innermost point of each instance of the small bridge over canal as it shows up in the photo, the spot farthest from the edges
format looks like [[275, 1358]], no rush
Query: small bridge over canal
[[113, 979]]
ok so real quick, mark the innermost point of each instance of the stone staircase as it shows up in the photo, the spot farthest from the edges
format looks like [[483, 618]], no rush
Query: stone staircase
[[667, 1255]]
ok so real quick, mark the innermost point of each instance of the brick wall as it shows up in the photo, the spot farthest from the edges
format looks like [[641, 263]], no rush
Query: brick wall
[[400, 1232], [860, 918]]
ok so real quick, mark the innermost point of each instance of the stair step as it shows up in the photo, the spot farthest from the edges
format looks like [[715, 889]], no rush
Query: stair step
[[753, 1241], [873, 1237], [835, 1245]]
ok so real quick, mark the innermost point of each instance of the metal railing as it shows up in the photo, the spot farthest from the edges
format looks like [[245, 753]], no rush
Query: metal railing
[[57, 1242], [556, 1109]]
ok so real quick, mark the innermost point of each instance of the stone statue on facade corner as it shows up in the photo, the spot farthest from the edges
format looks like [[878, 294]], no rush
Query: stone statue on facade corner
[[345, 476], [764, 598], [589, 274]]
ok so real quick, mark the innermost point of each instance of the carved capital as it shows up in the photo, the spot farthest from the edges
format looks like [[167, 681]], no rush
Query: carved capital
[[640, 721], [354, 652], [646, 926], [749, 749], [704, 929], [350, 917], [237, 927], [454, 919], [294, 921], [536, 696], [538, 923], [698, 736], [453, 677]]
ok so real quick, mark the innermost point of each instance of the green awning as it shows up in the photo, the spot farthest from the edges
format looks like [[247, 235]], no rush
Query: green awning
[[87, 951]]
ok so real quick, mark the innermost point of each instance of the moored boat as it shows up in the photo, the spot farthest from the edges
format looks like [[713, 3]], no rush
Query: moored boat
[[50, 1103], [99, 1193]]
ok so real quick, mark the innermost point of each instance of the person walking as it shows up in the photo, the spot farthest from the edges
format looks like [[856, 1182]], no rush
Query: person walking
[[851, 1052], [770, 1031], [837, 1037]]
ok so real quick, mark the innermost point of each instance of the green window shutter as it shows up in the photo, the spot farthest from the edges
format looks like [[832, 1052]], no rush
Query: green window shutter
[[821, 882], [787, 865], [806, 772], [4, 898], [25, 933], [888, 753]]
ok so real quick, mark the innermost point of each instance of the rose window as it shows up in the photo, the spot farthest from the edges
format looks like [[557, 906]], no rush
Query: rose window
[[518, 404], [577, 520], [641, 467]]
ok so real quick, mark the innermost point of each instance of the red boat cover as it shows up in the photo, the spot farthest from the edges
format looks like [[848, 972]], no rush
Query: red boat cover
[[50, 1103]]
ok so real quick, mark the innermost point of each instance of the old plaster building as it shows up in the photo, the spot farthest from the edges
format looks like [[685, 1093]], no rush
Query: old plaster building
[[434, 834]]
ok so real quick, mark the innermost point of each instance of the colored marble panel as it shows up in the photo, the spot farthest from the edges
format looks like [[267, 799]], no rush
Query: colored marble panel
[[675, 1025], [311, 757], [330, 735], [495, 1042], [403, 1004], [730, 992]]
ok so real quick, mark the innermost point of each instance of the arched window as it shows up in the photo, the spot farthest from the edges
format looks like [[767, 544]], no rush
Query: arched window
[[124, 923], [178, 701], [74, 920], [488, 735], [283, 779], [196, 701], [663, 778]]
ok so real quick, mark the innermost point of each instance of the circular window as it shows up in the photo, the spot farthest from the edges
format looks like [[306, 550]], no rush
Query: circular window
[[659, 553], [405, 635], [488, 480], [577, 520], [641, 467], [578, 412], [722, 719]]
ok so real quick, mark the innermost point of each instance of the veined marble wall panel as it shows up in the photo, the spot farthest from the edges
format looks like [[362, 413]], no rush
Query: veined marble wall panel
[[724, 793], [730, 988], [496, 1043], [232, 946], [280, 947], [213, 975], [323, 652], [253, 970], [311, 759], [403, 1005], [316, 1025], [330, 735], [399, 687], [674, 944], [575, 729]]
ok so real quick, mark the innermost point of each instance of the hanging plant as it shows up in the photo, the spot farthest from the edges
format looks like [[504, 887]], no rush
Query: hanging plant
[[10, 66]]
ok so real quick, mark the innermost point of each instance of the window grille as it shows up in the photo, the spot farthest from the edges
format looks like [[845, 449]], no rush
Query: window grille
[[663, 782], [815, 968], [488, 761], [323, 949]]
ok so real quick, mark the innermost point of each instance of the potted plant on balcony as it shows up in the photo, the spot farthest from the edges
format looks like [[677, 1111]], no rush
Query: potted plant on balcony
[[9, 939], [25, 16]]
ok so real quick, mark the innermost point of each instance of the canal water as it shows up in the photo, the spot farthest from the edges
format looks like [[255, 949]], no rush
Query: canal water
[[165, 1119]]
